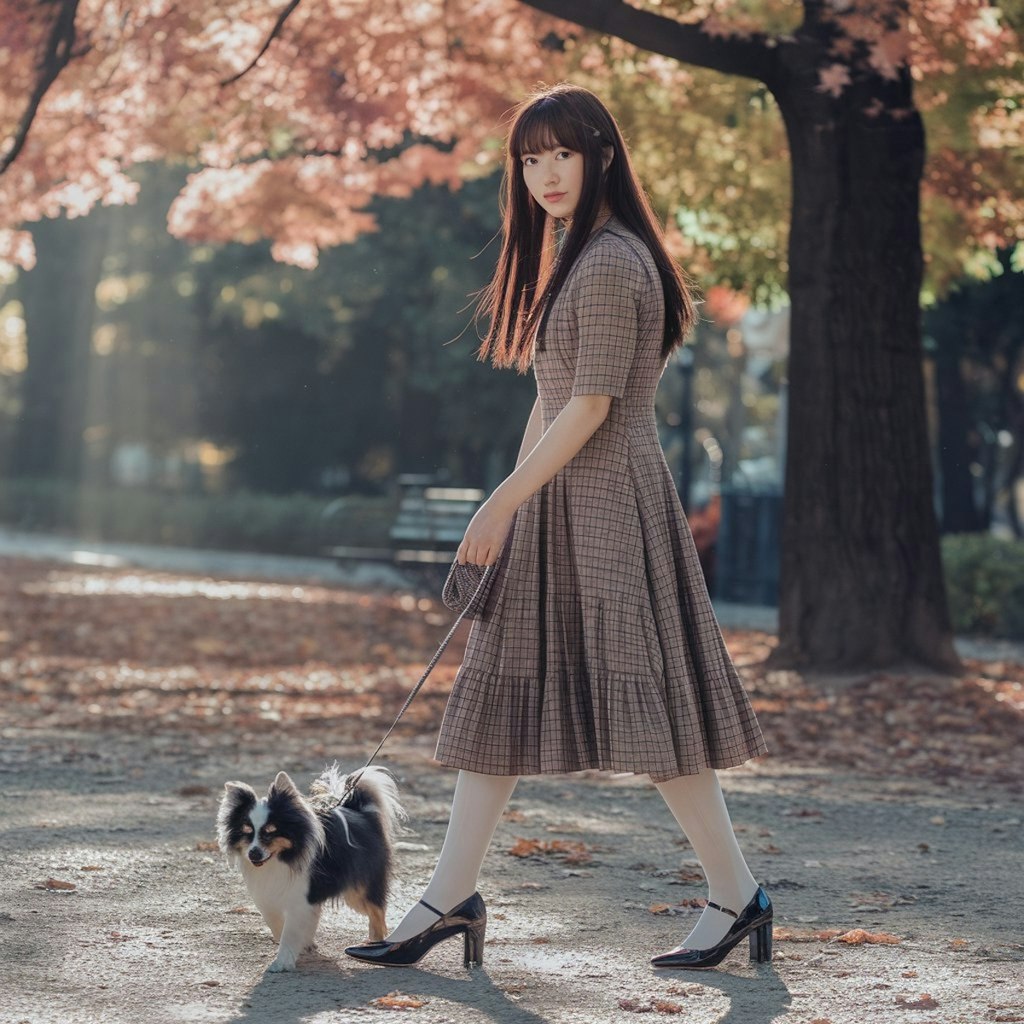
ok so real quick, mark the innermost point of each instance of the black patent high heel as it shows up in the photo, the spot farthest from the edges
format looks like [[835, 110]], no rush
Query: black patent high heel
[[469, 918], [754, 920]]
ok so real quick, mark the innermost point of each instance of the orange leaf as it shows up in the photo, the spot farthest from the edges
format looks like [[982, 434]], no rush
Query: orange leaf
[[398, 1001], [858, 936], [926, 1002], [784, 934], [525, 848]]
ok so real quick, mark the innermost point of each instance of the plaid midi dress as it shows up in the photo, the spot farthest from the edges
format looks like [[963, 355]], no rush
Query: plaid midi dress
[[598, 646]]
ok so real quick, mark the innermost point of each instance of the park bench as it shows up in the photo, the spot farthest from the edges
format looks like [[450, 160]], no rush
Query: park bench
[[428, 528]]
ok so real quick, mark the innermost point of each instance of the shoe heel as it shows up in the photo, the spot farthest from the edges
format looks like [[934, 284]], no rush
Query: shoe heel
[[761, 943], [474, 951]]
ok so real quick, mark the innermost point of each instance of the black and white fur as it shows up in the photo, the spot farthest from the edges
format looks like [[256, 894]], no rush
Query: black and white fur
[[296, 853]]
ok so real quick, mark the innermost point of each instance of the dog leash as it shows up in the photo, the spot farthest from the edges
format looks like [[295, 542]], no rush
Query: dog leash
[[353, 778]]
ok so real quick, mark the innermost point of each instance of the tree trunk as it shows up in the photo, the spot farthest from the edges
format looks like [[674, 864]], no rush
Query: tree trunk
[[959, 511], [861, 576], [59, 299]]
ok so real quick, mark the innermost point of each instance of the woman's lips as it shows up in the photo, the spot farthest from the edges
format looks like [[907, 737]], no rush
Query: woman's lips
[[553, 197]]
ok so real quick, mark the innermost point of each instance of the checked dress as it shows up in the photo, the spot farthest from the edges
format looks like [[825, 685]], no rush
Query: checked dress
[[598, 646]]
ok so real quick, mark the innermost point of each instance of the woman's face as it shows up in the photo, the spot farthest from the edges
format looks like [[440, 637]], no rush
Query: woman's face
[[555, 179]]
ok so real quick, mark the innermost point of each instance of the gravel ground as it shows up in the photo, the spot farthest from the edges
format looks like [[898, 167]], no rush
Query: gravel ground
[[157, 928], [115, 907]]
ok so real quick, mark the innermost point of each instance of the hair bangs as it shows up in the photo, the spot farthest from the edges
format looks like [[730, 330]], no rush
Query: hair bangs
[[544, 126]]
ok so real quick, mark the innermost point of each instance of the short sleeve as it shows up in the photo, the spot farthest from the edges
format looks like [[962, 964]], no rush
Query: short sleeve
[[606, 296]]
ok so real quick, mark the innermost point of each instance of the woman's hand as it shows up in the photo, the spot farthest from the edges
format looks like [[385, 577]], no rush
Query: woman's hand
[[486, 533]]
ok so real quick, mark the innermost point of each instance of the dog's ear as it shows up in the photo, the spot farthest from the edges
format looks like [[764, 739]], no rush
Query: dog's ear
[[238, 793], [283, 784]]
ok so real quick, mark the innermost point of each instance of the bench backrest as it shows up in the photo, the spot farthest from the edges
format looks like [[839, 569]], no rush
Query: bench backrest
[[435, 515]]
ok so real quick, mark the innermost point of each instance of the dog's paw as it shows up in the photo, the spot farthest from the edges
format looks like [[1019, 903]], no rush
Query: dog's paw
[[282, 964]]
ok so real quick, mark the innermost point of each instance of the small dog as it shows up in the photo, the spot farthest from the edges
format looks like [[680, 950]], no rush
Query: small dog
[[295, 854]]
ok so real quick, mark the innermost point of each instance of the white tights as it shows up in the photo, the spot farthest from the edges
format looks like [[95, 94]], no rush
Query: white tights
[[476, 809], [696, 802]]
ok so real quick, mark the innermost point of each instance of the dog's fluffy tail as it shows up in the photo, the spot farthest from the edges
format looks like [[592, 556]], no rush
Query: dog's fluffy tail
[[372, 789]]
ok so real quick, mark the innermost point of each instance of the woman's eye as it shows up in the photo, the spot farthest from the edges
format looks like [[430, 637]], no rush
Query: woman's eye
[[566, 152]]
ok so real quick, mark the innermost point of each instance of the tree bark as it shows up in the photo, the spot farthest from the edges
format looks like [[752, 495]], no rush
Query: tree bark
[[861, 582]]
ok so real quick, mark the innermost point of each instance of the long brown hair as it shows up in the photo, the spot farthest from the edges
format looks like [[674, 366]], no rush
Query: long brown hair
[[570, 117]]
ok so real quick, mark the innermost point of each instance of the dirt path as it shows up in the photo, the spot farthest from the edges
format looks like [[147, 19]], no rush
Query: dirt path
[[158, 929]]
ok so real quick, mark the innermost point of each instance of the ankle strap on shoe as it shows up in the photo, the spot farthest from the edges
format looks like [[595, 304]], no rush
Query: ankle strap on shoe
[[434, 909], [717, 906]]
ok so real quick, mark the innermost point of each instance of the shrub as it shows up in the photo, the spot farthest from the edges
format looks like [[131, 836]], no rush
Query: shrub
[[985, 584], [298, 524]]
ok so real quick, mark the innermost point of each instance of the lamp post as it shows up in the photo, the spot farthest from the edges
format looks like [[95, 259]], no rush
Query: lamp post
[[685, 364]]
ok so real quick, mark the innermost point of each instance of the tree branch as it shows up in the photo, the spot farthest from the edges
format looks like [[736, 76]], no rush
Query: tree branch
[[57, 56], [751, 55], [282, 18]]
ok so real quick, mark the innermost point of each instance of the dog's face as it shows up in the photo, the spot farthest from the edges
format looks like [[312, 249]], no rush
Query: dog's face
[[279, 825]]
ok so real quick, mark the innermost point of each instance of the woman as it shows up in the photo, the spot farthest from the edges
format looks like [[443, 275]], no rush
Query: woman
[[598, 646]]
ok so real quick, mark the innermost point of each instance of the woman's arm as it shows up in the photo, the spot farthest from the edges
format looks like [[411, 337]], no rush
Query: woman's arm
[[532, 434], [570, 431]]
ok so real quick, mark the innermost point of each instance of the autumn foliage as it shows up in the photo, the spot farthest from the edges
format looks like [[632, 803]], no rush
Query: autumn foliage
[[295, 115]]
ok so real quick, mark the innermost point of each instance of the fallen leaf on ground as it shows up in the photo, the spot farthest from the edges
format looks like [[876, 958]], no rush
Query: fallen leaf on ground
[[782, 934], [55, 883], [567, 850], [858, 936], [399, 1001], [655, 1005], [924, 1002], [689, 875], [207, 846]]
